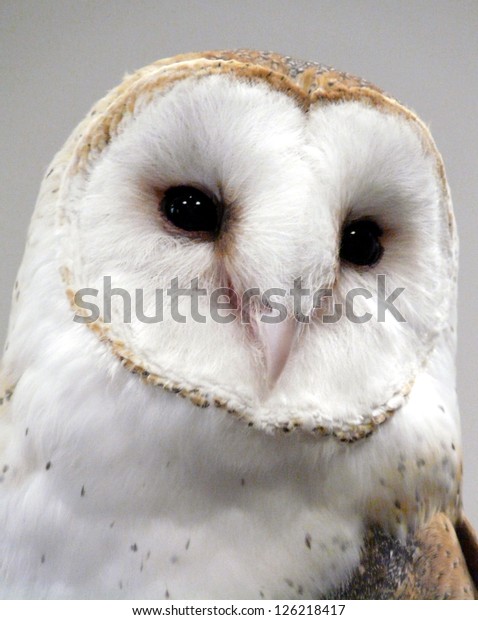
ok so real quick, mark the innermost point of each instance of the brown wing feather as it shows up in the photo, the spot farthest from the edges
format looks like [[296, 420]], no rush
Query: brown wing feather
[[440, 570], [469, 546], [429, 565]]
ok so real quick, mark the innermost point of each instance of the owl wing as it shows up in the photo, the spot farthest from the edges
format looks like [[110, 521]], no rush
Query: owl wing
[[440, 561], [468, 540], [445, 563]]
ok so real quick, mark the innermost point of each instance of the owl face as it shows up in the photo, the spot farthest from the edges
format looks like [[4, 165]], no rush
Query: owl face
[[214, 175]]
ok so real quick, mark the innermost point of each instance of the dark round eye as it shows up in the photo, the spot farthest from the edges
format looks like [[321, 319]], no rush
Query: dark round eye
[[190, 209], [361, 243]]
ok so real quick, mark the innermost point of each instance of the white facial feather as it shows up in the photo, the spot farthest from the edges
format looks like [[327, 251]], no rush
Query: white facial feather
[[117, 487]]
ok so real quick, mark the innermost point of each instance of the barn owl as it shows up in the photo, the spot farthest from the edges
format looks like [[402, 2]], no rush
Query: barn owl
[[208, 450]]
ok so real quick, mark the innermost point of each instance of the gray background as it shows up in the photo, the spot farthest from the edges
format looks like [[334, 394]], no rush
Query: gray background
[[58, 57]]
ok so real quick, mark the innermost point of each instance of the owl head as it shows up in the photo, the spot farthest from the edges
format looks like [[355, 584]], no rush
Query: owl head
[[268, 237]]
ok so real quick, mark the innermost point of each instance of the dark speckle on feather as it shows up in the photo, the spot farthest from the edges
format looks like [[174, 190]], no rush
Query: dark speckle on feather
[[383, 565]]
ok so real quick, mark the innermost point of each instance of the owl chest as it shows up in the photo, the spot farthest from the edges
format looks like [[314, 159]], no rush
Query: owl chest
[[234, 551], [256, 543]]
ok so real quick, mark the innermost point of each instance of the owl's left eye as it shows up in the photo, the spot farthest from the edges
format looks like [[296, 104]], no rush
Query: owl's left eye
[[360, 243], [190, 209]]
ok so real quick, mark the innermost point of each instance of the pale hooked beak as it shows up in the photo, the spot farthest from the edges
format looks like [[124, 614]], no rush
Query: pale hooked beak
[[276, 340]]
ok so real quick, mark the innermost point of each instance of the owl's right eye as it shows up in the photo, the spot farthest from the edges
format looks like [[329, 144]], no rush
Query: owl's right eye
[[190, 209]]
